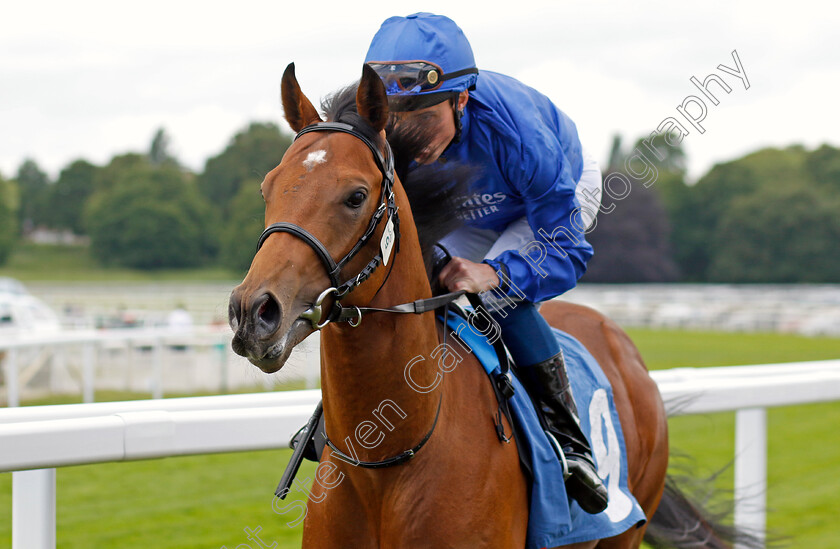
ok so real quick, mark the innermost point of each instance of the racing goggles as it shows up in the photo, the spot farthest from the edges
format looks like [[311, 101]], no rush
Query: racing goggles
[[408, 77]]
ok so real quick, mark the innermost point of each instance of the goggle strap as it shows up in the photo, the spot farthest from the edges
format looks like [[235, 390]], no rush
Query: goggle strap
[[456, 74]]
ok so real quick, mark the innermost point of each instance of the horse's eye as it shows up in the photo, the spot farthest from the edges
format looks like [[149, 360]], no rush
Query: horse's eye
[[356, 199]]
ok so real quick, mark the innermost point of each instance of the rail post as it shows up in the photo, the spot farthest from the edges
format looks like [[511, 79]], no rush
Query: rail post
[[88, 372], [12, 388], [157, 368], [751, 471], [33, 509]]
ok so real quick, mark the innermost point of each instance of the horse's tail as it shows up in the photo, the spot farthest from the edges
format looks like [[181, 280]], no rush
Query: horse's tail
[[681, 522]]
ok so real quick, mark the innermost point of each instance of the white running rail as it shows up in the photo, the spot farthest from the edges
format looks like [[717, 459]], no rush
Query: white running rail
[[124, 431], [193, 359]]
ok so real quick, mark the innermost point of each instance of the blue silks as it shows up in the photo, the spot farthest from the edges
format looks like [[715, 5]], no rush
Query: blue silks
[[553, 519], [539, 343]]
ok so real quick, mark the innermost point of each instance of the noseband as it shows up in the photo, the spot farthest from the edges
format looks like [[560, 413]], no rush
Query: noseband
[[353, 124]]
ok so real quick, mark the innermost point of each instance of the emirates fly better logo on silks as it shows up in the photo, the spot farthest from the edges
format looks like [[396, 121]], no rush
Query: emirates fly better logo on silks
[[476, 206]]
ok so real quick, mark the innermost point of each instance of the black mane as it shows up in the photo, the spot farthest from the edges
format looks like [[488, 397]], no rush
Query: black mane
[[434, 191]]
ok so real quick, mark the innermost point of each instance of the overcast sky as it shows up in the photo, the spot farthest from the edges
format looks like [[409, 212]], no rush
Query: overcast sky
[[90, 79]]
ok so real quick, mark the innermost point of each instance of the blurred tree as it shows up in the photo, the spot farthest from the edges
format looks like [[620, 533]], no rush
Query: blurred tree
[[666, 158], [616, 158], [33, 185], [787, 234], [159, 149], [69, 194], [823, 166], [777, 167], [251, 154], [696, 211], [107, 176], [243, 227], [8, 219], [631, 241], [631, 237], [151, 217]]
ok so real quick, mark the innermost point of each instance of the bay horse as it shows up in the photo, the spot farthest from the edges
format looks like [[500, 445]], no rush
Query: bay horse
[[455, 484]]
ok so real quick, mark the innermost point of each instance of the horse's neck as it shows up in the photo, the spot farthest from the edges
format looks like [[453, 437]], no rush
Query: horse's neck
[[363, 370]]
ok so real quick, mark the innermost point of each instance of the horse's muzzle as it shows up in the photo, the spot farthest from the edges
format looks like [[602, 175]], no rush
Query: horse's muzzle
[[255, 321]]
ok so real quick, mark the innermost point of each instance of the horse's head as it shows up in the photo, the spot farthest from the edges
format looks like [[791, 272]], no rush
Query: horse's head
[[328, 185]]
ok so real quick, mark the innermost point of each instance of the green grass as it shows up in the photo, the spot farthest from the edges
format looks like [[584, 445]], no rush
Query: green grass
[[193, 502], [803, 444], [669, 349], [208, 501], [42, 262]]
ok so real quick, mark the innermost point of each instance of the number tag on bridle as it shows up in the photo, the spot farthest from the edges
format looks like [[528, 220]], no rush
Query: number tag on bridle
[[387, 241]]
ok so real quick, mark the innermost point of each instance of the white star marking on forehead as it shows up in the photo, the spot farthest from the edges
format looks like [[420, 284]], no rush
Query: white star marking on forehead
[[315, 158]]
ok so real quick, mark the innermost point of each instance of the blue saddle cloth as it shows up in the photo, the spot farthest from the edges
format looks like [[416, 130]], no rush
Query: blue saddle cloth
[[553, 520]]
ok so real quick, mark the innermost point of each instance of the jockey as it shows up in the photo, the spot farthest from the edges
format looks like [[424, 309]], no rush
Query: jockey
[[523, 238]]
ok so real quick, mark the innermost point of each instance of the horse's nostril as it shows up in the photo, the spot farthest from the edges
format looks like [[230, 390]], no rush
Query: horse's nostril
[[266, 315], [233, 316], [234, 310], [269, 312]]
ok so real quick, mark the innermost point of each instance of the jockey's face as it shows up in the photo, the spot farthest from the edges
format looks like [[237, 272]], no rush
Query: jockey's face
[[440, 121]]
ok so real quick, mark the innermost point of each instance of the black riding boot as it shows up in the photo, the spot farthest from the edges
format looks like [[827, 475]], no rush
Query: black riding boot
[[548, 384]]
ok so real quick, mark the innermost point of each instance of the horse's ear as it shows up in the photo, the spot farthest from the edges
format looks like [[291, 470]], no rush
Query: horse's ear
[[371, 99], [297, 108]]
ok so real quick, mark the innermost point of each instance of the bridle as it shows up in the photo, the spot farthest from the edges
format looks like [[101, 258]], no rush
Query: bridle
[[385, 163], [353, 124]]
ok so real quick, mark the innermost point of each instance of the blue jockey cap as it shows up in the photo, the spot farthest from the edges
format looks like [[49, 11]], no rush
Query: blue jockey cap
[[422, 54]]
